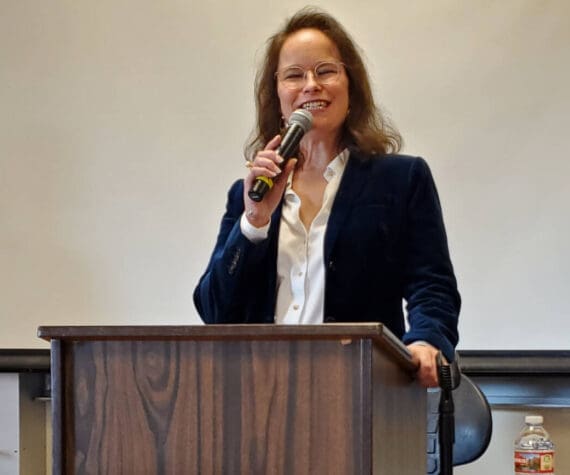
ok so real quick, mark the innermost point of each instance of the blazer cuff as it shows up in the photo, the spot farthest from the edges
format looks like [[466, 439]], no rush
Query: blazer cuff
[[438, 342]]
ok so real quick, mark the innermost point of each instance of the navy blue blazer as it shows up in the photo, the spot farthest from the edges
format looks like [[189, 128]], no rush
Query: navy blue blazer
[[385, 242]]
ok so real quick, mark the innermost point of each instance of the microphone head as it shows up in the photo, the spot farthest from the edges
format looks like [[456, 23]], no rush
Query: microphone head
[[302, 118]]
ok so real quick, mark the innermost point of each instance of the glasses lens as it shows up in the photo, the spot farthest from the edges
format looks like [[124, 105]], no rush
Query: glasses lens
[[292, 77], [327, 72]]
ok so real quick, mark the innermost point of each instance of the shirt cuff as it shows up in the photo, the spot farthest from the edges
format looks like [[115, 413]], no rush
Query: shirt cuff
[[252, 233]]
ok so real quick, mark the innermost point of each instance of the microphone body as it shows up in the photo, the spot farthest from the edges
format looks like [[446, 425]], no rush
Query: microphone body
[[300, 123]]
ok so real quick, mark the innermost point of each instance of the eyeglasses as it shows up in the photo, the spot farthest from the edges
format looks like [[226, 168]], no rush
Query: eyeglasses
[[294, 77]]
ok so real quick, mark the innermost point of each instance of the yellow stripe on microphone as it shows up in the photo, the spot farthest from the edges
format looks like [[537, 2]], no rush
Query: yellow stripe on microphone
[[268, 181]]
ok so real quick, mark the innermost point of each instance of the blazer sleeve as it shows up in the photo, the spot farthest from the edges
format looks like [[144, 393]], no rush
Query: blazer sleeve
[[221, 293], [430, 286]]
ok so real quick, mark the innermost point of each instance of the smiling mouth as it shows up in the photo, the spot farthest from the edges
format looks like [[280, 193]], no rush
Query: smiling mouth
[[315, 105]]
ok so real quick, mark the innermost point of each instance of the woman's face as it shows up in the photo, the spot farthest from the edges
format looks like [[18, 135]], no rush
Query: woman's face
[[327, 102]]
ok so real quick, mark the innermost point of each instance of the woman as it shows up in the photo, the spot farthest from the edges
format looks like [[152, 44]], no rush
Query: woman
[[349, 229]]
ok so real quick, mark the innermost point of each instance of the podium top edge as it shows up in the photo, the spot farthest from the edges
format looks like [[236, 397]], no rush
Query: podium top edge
[[225, 331], [376, 332]]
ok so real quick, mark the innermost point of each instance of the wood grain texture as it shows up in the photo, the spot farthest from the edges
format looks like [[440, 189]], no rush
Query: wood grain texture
[[209, 332], [335, 331], [275, 407], [399, 407], [234, 399]]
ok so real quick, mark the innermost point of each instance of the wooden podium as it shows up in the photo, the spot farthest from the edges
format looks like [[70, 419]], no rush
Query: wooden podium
[[235, 399]]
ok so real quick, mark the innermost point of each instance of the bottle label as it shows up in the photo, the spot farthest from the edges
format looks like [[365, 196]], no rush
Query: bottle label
[[534, 461]]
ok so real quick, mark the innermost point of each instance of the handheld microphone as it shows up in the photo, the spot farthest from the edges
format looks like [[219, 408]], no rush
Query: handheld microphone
[[300, 123]]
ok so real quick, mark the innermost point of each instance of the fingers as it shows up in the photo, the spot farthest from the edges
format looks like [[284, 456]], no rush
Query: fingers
[[280, 181], [273, 143], [266, 162], [425, 356]]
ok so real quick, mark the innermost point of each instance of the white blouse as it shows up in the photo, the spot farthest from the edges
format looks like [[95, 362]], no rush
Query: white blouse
[[300, 258]]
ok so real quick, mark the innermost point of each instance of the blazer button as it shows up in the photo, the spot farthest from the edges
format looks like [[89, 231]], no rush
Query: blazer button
[[331, 265], [330, 319]]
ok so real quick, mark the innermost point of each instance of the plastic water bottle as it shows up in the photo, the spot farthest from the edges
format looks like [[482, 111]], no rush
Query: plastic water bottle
[[534, 451]]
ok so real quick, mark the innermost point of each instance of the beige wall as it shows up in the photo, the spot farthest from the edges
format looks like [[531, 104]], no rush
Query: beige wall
[[22, 425], [122, 124], [9, 423]]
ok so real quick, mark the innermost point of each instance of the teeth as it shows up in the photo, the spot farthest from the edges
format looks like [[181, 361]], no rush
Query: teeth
[[314, 105]]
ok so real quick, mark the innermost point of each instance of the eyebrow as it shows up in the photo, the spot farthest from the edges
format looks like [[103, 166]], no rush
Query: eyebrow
[[297, 65]]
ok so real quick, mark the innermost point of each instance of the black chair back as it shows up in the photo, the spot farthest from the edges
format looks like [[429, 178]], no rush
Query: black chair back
[[473, 425], [473, 422]]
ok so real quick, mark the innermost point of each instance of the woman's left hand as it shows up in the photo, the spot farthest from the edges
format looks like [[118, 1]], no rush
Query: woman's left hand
[[424, 355]]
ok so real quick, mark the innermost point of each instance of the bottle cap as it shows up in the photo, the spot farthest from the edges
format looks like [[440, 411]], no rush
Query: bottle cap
[[533, 420]]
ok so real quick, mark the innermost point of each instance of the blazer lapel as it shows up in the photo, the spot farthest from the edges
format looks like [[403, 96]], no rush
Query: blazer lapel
[[352, 183], [272, 262]]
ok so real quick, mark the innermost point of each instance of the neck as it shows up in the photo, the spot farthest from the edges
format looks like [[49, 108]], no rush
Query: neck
[[317, 154]]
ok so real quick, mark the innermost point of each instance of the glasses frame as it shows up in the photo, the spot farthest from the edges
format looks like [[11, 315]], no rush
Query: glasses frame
[[306, 71]]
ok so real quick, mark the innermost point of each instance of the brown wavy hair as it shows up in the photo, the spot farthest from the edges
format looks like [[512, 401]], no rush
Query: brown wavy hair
[[365, 127]]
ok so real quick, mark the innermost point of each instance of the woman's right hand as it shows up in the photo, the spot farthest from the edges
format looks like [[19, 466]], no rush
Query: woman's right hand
[[266, 163]]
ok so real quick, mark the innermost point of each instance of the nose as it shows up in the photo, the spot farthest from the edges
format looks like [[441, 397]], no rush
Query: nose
[[311, 82]]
